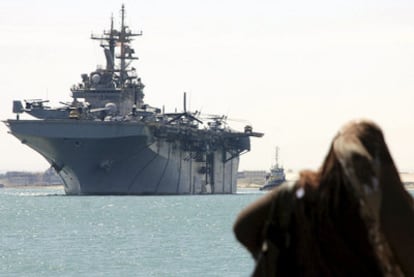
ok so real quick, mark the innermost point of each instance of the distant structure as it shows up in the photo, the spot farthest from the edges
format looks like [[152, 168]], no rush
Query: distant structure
[[251, 177], [277, 174], [24, 178]]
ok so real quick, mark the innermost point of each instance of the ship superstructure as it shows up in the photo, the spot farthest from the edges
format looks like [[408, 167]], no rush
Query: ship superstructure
[[108, 141]]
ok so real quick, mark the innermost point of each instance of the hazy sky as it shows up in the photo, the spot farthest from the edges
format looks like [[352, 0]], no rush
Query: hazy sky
[[295, 70]]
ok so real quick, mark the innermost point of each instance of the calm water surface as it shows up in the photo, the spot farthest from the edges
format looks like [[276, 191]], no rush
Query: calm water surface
[[45, 233]]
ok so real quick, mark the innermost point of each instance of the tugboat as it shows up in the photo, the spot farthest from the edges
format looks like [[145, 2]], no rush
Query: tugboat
[[276, 176], [108, 141]]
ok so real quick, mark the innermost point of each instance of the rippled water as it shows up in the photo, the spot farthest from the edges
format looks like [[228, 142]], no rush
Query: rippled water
[[45, 233]]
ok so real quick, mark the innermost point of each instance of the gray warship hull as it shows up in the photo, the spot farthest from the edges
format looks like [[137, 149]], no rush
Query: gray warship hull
[[108, 141], [97, 157]]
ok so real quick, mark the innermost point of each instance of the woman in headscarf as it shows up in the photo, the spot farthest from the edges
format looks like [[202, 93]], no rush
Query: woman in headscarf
[[352, 217]]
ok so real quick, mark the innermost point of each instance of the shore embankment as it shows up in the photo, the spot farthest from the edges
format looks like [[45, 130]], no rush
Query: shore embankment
[[406, 177]]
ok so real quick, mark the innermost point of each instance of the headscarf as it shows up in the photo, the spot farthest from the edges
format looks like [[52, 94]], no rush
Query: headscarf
[[351, 217]]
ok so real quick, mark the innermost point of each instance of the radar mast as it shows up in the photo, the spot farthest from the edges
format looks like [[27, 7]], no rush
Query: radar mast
[[122, 38]]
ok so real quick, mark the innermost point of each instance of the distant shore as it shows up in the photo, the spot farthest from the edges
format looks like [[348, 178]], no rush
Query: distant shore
[[37, 186], [246, 183], [406, 178]]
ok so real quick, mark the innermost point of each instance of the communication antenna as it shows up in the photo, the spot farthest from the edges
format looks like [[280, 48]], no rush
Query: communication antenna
[[277, 156]]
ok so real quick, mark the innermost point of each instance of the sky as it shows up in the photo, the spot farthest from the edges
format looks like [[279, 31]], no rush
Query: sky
[[294, 70]]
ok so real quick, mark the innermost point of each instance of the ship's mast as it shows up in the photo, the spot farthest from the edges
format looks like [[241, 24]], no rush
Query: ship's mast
[[111, 41], [122, 38], [109, 49], [277, 156], [114, 38], [126, 51]]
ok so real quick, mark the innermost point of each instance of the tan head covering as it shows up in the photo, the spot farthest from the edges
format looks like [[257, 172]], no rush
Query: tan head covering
[[385, 205], [353, 217]]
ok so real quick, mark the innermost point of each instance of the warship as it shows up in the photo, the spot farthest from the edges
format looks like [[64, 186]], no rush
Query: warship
[[108, 141]]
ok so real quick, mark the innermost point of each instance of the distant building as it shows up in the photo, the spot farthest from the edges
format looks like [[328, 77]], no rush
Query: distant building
[[251, 178], [24, 178], [252, 174]]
